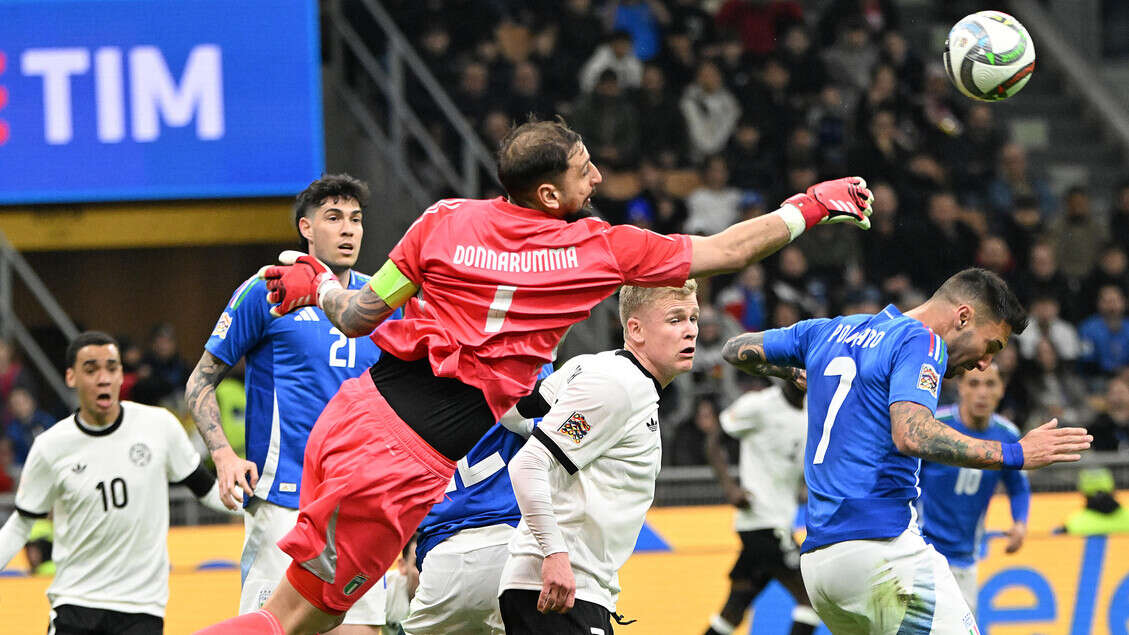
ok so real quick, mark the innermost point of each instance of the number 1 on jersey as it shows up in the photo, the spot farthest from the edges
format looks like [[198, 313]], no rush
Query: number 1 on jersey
[[844, 368], [498, 308]]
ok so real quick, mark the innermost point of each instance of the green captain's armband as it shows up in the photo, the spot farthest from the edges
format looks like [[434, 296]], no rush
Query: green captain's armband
[[392, 286]]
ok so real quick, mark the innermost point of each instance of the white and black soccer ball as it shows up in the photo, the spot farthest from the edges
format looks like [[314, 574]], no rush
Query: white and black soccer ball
[[989, 56]]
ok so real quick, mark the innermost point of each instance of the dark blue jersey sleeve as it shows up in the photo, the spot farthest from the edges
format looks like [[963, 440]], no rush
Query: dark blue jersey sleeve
[[242, 324], [918, 364]]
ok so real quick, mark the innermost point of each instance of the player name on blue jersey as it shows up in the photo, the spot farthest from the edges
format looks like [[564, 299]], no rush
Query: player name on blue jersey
[[859, 485], [295, 364]]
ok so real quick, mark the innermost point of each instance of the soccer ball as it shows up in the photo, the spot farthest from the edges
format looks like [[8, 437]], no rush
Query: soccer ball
[[989, 56]]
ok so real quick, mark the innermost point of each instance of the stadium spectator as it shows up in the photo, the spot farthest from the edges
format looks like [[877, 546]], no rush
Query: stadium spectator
[[12, 374], [1110, 428], [908, 68], [746, 300], [828, 120], [752, 163], [1112, 268], [1103, 514], [617, 56], [939, 114], [757, 22], [1105, 335], [1015, 179], [654, 207], [559, 83], [690, 434], [1053, 390], [696, 22], [8, 466], [711, 375], [1047, 325], [851, 59], [768, 102], [26, 421], [710, 110], [163, 371], [805, 66], [525, 95], [886, 261], [975, 163], [1075, 234], [1043, 278], [609, 122], [882, 150], [662, 131], [713, 206], [738, 67], [473, 94], [580, 31], [1022, 227], [644, 20], [792, 287], [679, 60], [943, 244]]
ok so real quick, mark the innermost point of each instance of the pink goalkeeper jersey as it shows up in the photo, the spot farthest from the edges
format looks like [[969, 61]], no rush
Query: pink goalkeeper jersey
[[501, 284]]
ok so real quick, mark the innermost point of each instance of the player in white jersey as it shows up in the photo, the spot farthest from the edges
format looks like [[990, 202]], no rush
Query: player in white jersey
[[105, 473], [771, 425], [873, 383], [586, 479]]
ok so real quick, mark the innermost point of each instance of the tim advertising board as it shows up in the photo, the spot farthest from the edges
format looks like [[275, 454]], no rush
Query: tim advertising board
[[134, 99]]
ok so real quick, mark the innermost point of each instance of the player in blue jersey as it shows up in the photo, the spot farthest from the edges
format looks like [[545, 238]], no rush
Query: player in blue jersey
[[294, 365], [463, 540], [954, 499], [873, 383]]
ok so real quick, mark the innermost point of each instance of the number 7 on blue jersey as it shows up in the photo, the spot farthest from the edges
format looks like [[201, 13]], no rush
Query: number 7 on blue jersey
[[845, 369]]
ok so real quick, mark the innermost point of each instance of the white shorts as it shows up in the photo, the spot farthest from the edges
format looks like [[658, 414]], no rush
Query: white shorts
[[458, 587], [969, 587], [882, 587], [263, 564]]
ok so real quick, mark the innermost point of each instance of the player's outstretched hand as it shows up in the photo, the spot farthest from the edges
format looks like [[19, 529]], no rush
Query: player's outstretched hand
[[1051, 444], [301, 280], [558, 586], [845, 200], [234, 476], [738, 497], [1015, 537]]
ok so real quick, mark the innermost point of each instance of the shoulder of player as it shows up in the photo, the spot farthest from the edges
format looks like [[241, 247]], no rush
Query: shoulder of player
[[255, 286], [605, 375], [908, 331], [1004, 425], [149, 415]]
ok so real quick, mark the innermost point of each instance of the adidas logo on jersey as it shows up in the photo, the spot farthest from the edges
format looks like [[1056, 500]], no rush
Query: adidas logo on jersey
[[307, 314], [653, 425], [78, 468]]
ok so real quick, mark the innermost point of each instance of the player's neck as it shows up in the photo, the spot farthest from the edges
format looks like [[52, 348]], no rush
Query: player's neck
[[645, 362], [92, 420], [932, 315], [973, 422]]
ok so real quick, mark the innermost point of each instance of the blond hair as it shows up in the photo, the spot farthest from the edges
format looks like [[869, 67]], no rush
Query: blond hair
[[632, 298]]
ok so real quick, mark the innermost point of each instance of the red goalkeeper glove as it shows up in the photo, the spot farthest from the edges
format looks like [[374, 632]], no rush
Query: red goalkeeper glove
[[844, 200], [300, 281]]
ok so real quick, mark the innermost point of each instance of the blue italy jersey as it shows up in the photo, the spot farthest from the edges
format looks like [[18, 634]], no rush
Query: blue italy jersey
[[480, 493], [295, 364], [859, 485], [954, 499]]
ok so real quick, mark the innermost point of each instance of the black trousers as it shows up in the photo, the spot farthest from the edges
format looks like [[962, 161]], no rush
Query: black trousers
[[79, 620], [521, 617]]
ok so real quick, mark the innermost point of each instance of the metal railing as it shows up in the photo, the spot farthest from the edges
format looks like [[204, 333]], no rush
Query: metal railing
[[13, 265], [389, 71]]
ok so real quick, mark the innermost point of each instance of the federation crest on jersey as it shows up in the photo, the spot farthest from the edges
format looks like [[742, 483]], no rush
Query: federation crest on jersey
[[222, 325], [928, 380], [576, 427], [140, 454]]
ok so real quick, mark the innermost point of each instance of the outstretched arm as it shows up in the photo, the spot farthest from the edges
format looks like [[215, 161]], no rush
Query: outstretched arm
[[746, 352], [355, 313], [917, 433]]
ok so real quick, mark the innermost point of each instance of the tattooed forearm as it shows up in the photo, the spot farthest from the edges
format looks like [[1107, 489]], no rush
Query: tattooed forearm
[[917, 433], [201, 396], [746, 352], [355, 313]]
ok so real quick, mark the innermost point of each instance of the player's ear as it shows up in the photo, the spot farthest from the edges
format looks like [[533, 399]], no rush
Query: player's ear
[[548, 196], [633, 330], [965, 315], [306, 228], [70, 378]]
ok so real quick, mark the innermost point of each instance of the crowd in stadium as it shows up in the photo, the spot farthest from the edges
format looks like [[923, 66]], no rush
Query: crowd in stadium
[[699, 119]]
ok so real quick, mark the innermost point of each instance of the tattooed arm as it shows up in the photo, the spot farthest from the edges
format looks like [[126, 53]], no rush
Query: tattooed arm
[[355, 313], [746, 352], [917, 433], [232, 472]]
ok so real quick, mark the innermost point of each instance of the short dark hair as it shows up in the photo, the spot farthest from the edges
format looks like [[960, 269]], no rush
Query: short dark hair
[[88, 338], [533, 153], [989, 291], [327, 187]]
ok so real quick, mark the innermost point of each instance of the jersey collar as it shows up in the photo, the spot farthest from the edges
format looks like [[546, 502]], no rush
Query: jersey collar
[[502, 204], [626, 353], [101, 432]]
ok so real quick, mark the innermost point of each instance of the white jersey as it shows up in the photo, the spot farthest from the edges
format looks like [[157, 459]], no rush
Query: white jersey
[[603, 429], [109, 490], [772, 434]]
